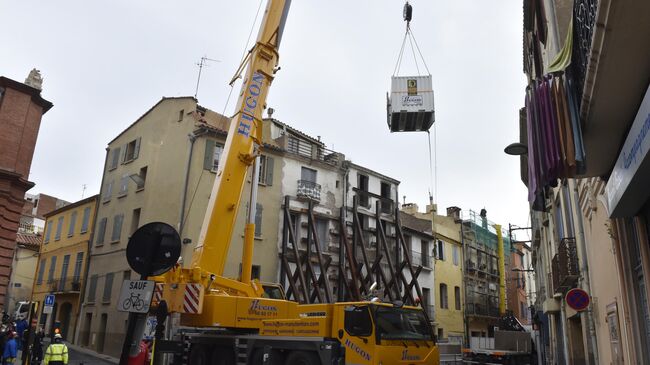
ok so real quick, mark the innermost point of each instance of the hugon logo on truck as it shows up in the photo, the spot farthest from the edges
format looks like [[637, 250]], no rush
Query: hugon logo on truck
[[354, 347], [250, 103], [406, 356], [261, 309]]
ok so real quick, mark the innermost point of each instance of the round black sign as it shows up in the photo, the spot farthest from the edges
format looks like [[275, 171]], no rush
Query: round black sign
[[153, 249]]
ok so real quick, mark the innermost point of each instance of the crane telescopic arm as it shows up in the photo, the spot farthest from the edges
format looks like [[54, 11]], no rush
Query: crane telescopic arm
[[241, 150]]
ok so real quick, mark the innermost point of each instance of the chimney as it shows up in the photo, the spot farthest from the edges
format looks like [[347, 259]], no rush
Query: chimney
[[454, 212], [34, 79], [432, 208], [410, 208]]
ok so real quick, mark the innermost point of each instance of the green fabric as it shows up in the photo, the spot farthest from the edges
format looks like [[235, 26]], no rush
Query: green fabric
[[563, 59]]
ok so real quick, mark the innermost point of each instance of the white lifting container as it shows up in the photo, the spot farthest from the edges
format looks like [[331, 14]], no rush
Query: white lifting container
[[410, 105]]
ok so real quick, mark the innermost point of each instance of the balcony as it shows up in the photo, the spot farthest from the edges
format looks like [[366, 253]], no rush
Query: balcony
[[313, 151], [308, 189], [610, 57], [419, 259], [386, 205], [565, 266], [70, 285], [482, 309]]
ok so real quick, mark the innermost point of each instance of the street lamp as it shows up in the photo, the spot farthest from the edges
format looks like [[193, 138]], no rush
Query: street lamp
[[516, 149]]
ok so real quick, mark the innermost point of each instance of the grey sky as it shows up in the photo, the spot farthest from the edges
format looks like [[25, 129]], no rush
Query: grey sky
[[106, 63]]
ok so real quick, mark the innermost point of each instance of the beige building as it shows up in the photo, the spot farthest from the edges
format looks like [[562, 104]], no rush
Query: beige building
[[161, 168], [62, 263]]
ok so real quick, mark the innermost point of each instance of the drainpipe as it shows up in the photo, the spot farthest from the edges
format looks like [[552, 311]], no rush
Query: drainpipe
[[565, 340], [181, 222], [584, 274]]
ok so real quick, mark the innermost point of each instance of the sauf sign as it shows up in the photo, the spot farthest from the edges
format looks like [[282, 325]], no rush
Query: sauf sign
[[135, 296]]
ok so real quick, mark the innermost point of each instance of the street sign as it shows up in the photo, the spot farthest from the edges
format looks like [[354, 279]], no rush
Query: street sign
[[48, 304], [577, 299], [135, 296]]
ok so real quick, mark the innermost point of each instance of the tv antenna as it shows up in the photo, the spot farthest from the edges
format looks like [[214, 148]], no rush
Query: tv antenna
[[83, 190], [201, 64]]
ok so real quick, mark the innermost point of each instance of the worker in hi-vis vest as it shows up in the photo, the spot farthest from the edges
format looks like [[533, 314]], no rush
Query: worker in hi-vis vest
[[57, 352]]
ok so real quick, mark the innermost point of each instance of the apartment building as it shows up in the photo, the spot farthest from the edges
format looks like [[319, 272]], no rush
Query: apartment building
[[590, 221], [447, 252], [162, 168], [516, 285], [62, 264], [21, 110]]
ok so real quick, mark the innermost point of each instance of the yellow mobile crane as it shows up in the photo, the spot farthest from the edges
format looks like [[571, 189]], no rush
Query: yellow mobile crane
[[227, 321]]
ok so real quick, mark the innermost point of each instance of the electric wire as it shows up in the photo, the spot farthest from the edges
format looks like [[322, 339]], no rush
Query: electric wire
[[413, 51]]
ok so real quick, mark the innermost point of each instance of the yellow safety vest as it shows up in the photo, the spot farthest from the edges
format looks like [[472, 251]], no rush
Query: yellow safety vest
[[56, 352]]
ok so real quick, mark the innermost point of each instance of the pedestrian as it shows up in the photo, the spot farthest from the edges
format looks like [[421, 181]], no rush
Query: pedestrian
[[57, 352], [21, 326], [10, 352], [37, 348]]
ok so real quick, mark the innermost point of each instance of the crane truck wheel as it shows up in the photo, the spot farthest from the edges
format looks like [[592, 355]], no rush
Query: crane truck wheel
[[199, 355], [302, 358]]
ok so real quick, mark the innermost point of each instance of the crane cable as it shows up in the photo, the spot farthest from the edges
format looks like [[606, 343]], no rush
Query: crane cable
[[408, 16]]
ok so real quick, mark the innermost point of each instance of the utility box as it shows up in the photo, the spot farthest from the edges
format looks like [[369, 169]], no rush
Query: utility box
[[410, 104]]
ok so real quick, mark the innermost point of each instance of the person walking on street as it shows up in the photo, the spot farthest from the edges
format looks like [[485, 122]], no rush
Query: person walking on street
[[10, 352], [37, 348], [57, 352]]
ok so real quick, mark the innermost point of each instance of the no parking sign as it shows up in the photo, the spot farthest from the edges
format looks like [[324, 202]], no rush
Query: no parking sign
[[577, 299]]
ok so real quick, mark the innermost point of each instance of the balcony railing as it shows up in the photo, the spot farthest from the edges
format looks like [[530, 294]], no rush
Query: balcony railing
[[584, 19], [419, 259], [313, 151], [565, 266], [481, 309], [70, 285], [308, 189]]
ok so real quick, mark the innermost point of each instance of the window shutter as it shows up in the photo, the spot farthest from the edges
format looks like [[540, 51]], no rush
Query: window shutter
[[269, 171], [122, 153], [208, 162], [258, 220], [136, 149], [101, 231]]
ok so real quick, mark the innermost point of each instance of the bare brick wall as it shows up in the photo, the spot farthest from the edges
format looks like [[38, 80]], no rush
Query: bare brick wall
[[21, 109]]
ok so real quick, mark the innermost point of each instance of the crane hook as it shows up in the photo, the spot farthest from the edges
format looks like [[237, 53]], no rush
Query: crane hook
[[408, 14]]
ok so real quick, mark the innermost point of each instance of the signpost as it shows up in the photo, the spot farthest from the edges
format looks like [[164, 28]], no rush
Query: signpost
[[577, 299], [48, 304], [135, 296]]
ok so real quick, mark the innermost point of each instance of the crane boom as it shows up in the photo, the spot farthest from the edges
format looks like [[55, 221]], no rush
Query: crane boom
[[241, 149]]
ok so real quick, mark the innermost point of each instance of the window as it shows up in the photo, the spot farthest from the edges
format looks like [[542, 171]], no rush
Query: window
[[559, 224], [307, 174], [101, 231], [92, 290], [181, 114], [266, 170], [322, 230], [362, 186], [124, 185], [213, 151], [114, 158], [132, 150], [85, 220], [295, 223], [386, 201], [444, 304], [135, 221], [457, 297], [255, 271], [426, 294], [424, 249], [50, 274], [567, 210], [59, 226], [456, 254], [126, 275], [141, 179], [64, 271], [77, 267], [258, 220], [73, 221], [108, 192], [440, 250], [41, 272], [117, 227], [48, 232], [440, 333], [108, 288]]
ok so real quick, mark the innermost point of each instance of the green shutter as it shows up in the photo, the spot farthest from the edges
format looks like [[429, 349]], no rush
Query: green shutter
[[208, 159], [269, 171], [122, 153]]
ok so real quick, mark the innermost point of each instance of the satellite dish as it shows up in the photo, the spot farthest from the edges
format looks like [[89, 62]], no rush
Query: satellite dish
[[153, 249]]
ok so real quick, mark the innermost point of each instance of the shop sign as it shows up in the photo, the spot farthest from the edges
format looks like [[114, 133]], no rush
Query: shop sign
[[633, 154]]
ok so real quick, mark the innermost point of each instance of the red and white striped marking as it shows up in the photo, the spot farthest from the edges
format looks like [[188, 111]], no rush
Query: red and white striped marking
[[191, 298], [157, 293]]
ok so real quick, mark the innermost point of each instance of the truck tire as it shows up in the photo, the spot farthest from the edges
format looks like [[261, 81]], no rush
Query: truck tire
[[198, 355], [302, 358], [223, 356]]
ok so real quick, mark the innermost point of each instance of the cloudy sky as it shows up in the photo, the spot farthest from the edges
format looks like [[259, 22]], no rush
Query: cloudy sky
[[105, 63]]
